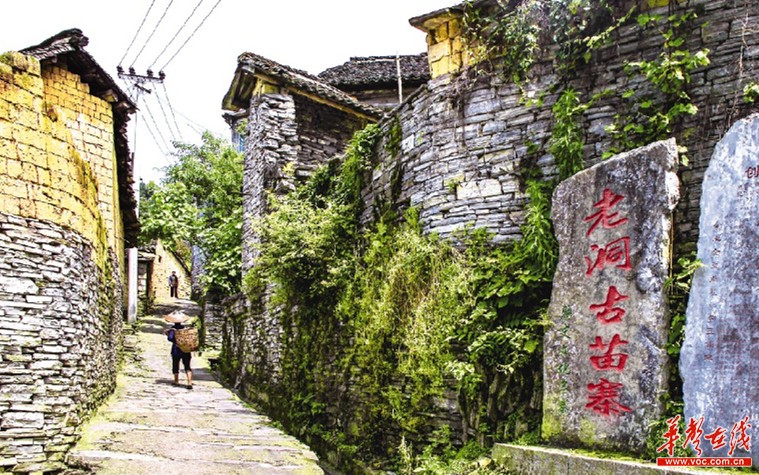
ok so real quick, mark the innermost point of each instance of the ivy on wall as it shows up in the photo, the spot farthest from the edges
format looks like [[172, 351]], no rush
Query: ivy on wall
[[378, 324]]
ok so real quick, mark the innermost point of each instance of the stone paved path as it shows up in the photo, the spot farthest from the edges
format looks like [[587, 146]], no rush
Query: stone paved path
[[151, 427]]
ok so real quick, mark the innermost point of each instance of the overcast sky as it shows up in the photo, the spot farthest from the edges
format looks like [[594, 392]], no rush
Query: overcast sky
[[309, 35]]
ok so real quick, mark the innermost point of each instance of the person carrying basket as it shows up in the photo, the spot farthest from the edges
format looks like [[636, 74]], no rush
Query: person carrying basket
[[180, 350]]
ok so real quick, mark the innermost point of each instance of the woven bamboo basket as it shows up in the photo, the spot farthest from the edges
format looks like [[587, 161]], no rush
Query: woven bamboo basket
[[187, 339]]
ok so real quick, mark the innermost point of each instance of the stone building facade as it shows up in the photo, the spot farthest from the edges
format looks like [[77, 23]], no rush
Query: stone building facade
[[468, 134], [292, 122], [67, 212]]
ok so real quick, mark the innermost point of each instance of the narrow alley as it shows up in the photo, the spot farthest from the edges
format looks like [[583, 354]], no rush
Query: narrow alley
[[150, 426]]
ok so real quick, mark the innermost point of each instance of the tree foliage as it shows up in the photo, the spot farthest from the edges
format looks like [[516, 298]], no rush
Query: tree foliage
[[200, 202]]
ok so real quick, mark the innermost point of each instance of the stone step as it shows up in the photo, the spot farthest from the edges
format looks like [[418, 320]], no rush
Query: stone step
[[533, 460]]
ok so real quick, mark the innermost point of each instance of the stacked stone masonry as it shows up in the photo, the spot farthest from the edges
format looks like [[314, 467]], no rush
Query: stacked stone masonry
[[60, 330], [465, 138], [288, 136], [61, 253]]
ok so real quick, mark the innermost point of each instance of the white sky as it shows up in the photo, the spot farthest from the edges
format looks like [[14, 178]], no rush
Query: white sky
[[312, 35]]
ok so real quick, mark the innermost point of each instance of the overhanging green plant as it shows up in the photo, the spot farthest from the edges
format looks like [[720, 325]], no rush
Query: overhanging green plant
[[657, 116]]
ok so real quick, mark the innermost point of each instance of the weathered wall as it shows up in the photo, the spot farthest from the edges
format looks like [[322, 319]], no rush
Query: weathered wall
[[271, 143], [60, 261], [89, 121], [288, 137], [465, 139]]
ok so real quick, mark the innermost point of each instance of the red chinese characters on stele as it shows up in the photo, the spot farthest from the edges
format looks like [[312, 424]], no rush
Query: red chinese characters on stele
[[603, 395]]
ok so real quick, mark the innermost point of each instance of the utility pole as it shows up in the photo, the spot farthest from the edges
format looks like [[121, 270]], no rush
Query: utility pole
[[132, 257], [135, 78]]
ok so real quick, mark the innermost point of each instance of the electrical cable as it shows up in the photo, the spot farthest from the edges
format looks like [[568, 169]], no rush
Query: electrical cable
[[166, 118], [155, 140], [191, 35], [176, 35], [152, 32], [155, 123], [138, 32], [199, 128], [171, 109]]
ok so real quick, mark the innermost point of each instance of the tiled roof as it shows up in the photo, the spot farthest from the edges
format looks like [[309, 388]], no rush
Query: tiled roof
[[238, 95], [68, 45], [378, 70]]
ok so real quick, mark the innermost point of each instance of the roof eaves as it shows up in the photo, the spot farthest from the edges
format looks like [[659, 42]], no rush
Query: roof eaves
[[298, 80]]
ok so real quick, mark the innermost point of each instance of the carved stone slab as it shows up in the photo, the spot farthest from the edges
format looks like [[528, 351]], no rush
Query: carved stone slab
[[719, 361], [605, 365]]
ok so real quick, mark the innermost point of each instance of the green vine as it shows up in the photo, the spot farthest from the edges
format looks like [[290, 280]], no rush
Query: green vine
[[511, 36], [657, 116]]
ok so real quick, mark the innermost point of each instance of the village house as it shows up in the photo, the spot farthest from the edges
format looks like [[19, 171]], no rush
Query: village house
[[381, 81], [291, 122], [67, 213]]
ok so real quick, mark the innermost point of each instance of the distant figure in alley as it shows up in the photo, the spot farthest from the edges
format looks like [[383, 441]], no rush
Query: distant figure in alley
[[174, 284]]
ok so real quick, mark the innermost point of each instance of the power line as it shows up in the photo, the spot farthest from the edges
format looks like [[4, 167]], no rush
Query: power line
[[191, 35], [155, 140], [166, 117], [138, 32], [199, 128], [171, 108], [176, 35], [152, 32], [155, 123]]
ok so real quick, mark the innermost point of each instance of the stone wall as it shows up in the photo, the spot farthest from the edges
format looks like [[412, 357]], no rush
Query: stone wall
[[465, 137], [288, 136], [60, 262], [271, 143], [60, 333]]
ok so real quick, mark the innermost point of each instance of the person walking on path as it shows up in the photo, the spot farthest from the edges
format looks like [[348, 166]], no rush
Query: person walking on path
[[149, 427], [174, 284], [177, 354]]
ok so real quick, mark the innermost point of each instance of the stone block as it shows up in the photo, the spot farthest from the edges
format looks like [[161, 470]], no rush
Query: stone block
[[22, 420], [439, 51], [719, 360], [605, 360], [478, 189], [18, 286]]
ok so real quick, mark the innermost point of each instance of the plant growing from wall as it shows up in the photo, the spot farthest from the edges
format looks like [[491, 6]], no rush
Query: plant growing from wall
[[751, 92], [510, 36], [658, 116]]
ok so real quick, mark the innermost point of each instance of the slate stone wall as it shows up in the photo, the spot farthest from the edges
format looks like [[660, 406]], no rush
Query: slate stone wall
[[61, 255], [60, 333], [288, 136], [465, 137]]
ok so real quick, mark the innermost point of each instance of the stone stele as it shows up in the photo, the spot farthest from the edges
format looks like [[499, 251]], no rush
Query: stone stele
[[605, 365], [719, 360]]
